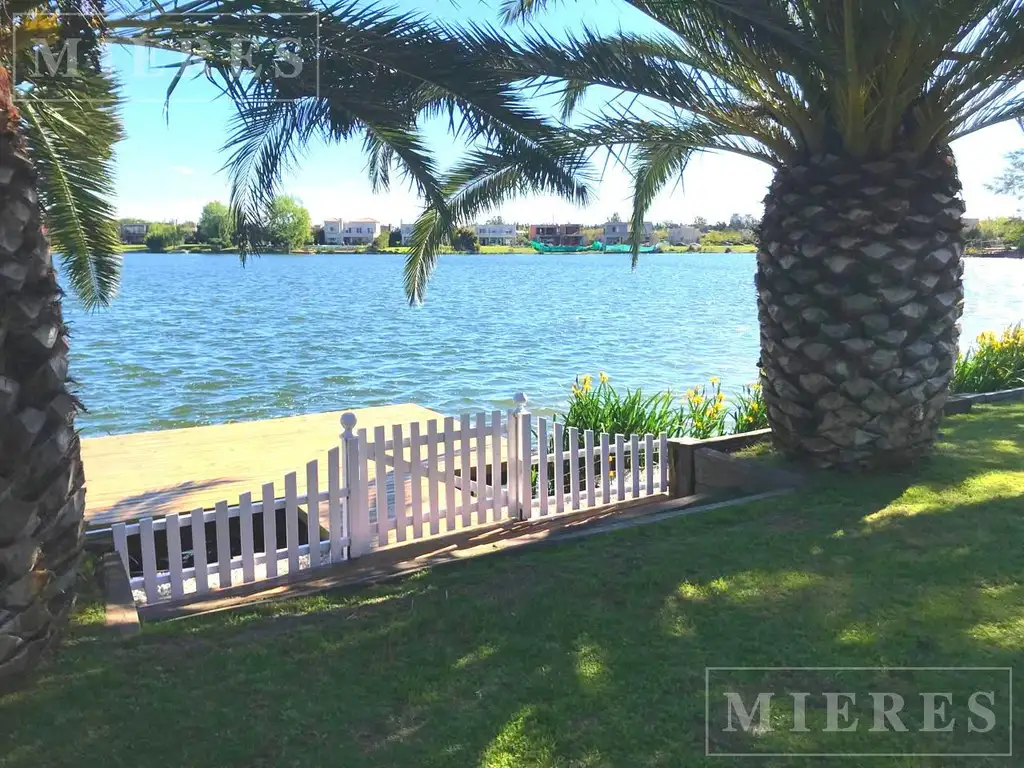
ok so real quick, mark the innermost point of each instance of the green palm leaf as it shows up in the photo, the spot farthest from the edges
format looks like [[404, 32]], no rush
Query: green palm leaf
[[72, 126], [487, 178]]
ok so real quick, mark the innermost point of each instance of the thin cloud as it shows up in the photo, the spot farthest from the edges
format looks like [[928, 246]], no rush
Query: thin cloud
[[184, 170]]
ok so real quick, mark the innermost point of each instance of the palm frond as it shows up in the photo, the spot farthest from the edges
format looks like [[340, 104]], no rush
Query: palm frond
[[827, 75], [627, 129], [487, 178], [654, 165], [654, 68], [659, 151], [521, 10], [72, 127]]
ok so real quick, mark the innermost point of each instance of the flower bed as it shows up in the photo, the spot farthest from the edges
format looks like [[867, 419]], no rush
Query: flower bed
[[701, 412], [995, 363]]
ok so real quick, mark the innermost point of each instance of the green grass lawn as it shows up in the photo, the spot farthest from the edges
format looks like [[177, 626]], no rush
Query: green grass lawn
[[587, 654]]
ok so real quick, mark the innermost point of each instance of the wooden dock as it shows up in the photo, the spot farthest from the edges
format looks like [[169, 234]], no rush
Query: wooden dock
[[178, 470]]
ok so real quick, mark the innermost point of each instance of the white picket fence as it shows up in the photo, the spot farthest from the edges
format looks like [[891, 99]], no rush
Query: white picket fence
[[389, 488], [567, 474]]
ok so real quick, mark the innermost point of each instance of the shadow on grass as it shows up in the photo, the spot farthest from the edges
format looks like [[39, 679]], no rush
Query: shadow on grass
[[588, 654]]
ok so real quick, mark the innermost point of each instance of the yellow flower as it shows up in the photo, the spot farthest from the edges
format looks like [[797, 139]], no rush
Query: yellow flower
[[696, 399], [714, 379], [39, 22], [575, 389], [587, 382], [604, 377], [720, 397]]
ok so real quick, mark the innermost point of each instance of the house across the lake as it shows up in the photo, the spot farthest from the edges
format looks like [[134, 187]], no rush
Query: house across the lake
[[495, 234], [487, 234], [556, 234], [683, 235], [360, 231], [351, 232], [332, 231], [133, 234], [617, 232]]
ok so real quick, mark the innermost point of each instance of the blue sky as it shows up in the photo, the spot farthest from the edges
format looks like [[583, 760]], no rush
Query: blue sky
[[169, 163]]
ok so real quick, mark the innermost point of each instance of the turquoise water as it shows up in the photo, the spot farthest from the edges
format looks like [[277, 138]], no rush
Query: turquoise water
[[197, 339]]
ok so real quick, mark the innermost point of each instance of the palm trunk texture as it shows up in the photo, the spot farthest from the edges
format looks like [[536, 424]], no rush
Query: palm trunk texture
[[859, 290], [42, 494]]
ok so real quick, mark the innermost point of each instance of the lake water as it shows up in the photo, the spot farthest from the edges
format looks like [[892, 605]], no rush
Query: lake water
[[197, 339]]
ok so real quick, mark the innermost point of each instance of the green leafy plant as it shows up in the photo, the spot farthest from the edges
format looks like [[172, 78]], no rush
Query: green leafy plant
[[216, 225], [465, 240], [749, 411], [380, 243], [994, 363], [1004, 231], [162, 236], [701, 413], [704, 411], [727, 237], [1011, 182], [603, 409], [288, 224]]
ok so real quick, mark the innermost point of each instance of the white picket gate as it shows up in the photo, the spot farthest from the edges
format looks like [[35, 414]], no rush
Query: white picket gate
[[390, 489], [448, 479]]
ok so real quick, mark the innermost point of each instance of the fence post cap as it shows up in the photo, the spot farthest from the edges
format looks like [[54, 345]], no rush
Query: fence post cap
[[348, 421]]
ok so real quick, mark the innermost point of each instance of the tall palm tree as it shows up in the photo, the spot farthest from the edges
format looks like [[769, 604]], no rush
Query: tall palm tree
[[367, 74], [56, 141], [854, 104]]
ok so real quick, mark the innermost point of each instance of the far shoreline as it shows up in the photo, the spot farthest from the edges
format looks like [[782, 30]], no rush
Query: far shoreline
[[672, 250]]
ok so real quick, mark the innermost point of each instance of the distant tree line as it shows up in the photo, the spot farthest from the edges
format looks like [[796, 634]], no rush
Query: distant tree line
[[287, 227], [1003, 232]]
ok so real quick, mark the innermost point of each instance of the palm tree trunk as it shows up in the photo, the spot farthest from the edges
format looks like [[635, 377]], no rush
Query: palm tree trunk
[[42, 494], [859, 285]]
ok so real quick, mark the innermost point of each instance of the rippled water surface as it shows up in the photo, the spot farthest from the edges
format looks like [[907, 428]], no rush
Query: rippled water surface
[[197, 339]]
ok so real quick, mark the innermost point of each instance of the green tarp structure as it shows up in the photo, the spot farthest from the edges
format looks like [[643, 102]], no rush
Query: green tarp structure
[[595, 247]]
